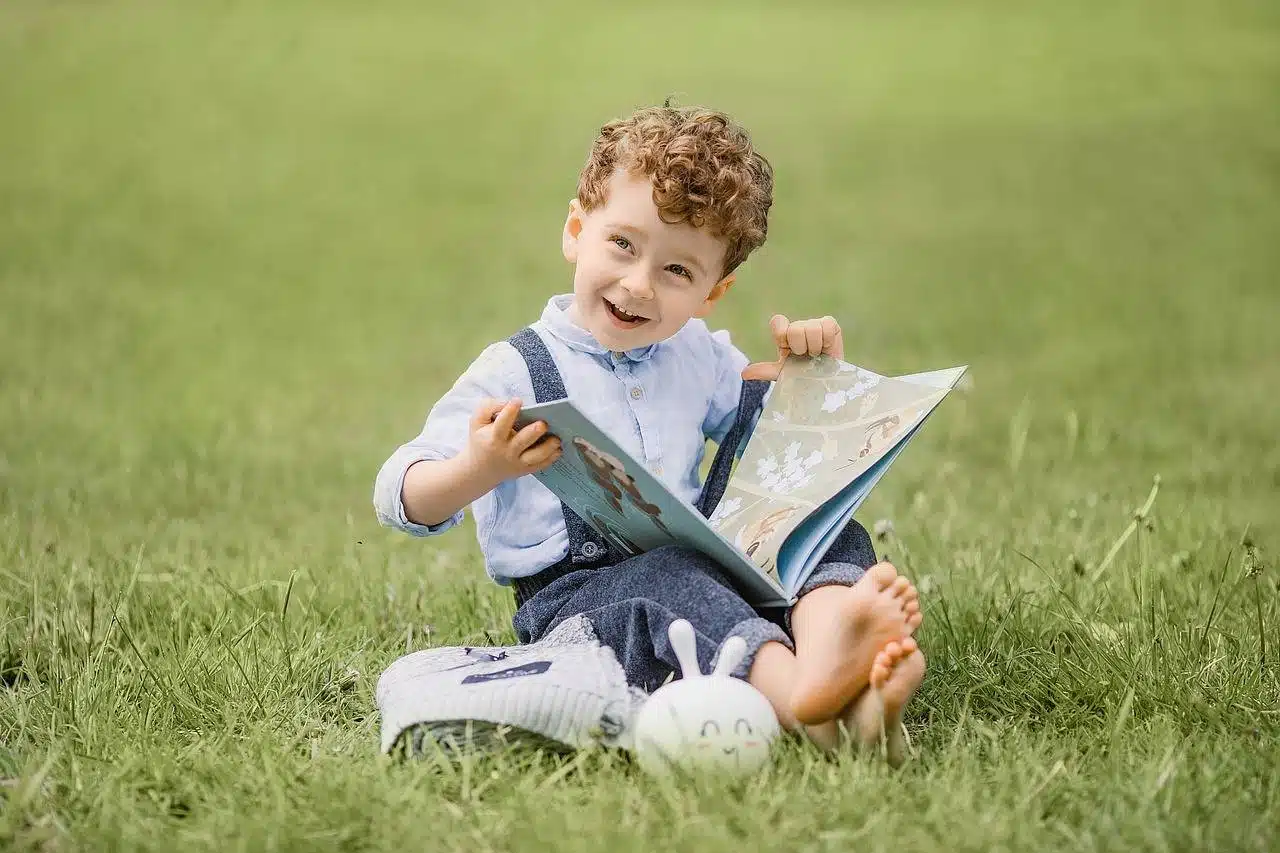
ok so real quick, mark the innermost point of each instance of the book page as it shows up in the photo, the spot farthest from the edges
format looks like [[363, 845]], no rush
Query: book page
[[825, 424]]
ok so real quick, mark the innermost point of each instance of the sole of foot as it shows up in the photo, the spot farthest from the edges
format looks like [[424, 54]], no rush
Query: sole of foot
[[876, 718], [839, 631]]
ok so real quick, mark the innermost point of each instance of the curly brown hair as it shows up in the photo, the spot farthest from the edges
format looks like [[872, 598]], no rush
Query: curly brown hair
[[703, 168]]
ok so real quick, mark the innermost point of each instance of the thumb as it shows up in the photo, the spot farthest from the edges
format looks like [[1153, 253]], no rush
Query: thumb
[[485, 413], [769, 370]]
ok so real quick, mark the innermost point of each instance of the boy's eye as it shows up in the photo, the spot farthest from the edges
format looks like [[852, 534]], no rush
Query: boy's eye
[[681, 271], [621, 242]]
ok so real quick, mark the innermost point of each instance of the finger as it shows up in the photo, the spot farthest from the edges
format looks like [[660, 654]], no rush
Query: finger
[[796, 339], [506, 418], [541, 454], [769, 370], [528, 436], [813, 336], [832, 338], [778, 328], [485, 411]]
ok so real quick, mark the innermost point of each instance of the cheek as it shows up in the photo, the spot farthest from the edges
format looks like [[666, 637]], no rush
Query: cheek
[[600, 266], [681, 302], [589, 277]]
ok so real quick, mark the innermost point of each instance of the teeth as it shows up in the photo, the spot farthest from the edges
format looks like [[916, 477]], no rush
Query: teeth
[[624, 314]]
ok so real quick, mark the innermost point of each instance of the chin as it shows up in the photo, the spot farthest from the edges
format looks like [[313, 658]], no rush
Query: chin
[[618, 339], [621, 343], [615, 344]]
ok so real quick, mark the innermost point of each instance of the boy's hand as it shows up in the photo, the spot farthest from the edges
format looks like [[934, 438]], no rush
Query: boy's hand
[[803, 337], [498, 452]]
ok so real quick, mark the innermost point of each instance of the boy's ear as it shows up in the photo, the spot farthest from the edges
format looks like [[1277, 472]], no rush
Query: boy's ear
[[721, 288], [572, 230]]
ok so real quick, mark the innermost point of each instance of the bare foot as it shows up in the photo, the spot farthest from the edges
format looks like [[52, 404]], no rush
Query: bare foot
[[825, 736], [839, 630], [911, 606], [876, 716]]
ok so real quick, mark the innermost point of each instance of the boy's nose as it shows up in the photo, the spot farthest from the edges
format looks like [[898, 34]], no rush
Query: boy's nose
[[638, 285]]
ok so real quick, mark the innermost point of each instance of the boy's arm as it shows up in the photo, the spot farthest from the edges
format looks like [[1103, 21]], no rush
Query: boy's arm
[[427, 482], [436, 491], [436, 445]]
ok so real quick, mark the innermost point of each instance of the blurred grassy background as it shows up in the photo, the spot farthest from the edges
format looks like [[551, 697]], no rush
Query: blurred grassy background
[[243, 247]]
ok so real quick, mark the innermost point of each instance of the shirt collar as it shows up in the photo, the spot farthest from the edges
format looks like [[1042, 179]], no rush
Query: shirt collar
[[556, 318]]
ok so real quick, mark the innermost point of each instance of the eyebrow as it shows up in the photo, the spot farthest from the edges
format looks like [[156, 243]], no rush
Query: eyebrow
[[626, 226]]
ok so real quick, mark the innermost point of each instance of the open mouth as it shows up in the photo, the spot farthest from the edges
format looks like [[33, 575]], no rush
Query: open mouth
[[623, 319]]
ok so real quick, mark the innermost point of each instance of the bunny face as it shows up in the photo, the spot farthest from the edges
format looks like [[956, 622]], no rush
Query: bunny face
[[705, 722], [709, 723]]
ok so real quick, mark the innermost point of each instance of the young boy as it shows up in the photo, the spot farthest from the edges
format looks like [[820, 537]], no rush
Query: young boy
[[670, 203]]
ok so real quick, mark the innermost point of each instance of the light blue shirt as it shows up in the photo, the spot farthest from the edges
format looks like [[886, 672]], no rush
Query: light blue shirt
[[659, 403]]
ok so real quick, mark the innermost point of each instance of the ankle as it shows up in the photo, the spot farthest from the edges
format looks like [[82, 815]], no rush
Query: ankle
[[815, 601], [773, 674]]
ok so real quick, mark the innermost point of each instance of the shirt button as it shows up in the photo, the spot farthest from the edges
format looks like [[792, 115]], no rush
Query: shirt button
[[636, 393], [590, 550]]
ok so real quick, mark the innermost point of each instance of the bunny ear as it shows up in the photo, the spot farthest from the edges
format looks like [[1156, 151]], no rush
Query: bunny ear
[[731, 654], [685, 644]]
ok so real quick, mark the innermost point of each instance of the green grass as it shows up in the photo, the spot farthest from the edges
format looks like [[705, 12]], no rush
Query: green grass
[[243, 247]]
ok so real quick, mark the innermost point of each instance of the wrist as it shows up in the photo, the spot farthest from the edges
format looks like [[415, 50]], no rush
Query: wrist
[[474, 470]]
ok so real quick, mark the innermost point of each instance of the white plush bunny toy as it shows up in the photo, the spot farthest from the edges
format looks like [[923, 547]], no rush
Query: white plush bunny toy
[[705, 722]]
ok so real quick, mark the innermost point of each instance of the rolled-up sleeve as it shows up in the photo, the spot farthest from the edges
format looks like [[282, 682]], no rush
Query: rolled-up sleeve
[[443, 436]]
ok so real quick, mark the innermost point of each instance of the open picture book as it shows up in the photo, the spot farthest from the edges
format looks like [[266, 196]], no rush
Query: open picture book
[[828, 432]]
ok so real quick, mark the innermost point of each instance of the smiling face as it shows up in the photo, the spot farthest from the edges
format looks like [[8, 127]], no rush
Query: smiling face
[[638, 279], [711, 722], [731, 741]]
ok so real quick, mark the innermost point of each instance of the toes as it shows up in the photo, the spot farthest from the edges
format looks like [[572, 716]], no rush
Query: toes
[[899, 586], [911, 594], [889, 661], [911, 607], [882, 574], [914, 620], [883, 665], [880, 671]]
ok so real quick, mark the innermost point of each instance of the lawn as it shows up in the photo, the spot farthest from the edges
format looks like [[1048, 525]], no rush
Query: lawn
[[243, 247]]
